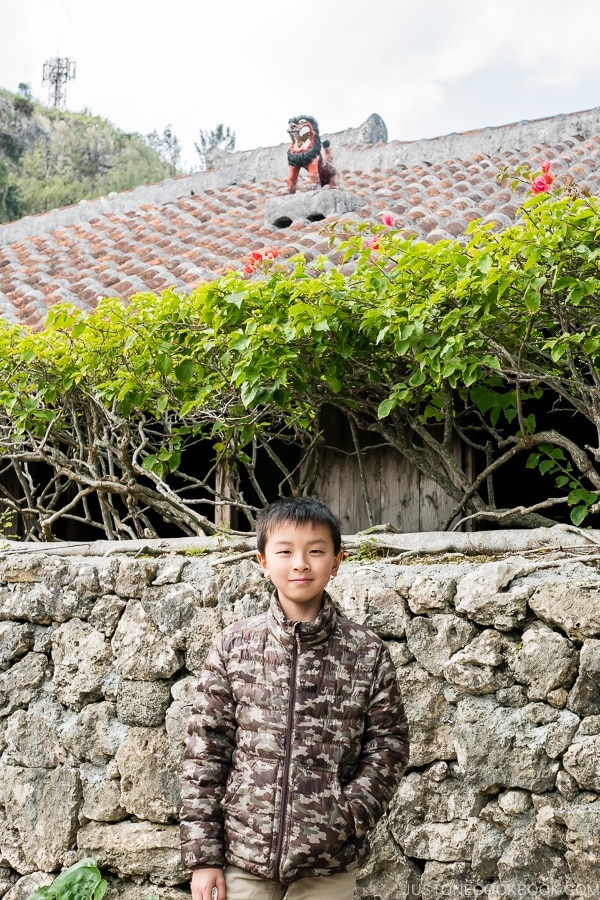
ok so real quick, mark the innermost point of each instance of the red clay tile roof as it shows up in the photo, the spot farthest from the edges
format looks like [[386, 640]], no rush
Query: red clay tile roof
[[194, 228]]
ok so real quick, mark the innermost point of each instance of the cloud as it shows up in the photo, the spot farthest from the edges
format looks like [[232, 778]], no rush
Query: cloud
[[427, 69]]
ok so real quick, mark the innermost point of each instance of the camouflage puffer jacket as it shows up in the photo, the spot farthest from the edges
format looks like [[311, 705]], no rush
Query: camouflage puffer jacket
[[296, 744]]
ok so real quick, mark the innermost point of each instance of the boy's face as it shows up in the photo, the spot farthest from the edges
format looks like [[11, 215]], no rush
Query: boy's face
[[300, 560]]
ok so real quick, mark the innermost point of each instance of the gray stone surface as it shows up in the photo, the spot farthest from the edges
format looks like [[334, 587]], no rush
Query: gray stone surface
[[498, 661], [544, 662], [143, 702], [82, 661], [15, 641], [584, 699], [142, 651], [488, 596]]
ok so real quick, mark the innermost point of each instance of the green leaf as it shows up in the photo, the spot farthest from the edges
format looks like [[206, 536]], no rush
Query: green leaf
[[578, 514], [532, 299], [164, 364], [580, 495], [184, 371], [385, 407], [417, 379]]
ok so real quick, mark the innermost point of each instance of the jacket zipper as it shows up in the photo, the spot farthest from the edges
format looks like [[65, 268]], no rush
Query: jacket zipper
[[287, 759]]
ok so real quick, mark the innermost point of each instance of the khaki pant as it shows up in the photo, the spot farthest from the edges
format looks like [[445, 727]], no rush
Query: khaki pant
[[242, 885]]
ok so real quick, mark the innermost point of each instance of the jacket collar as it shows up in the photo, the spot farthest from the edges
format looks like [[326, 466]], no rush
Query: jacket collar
[[311, 633]]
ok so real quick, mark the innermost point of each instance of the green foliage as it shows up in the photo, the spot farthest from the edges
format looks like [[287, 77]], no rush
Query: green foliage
[[494, 341], [50, 158], [82, 881]]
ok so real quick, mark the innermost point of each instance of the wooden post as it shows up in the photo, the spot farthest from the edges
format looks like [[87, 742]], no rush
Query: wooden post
[[223, 491]]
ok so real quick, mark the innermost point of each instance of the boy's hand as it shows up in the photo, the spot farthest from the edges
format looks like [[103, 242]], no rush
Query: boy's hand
[[205, 882]]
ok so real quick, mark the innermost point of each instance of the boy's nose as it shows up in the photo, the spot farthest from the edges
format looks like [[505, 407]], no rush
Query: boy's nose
[[300, 563]]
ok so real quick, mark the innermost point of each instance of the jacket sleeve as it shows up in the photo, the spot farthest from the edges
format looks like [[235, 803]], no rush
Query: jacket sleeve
[[206, 764], [384, 754]]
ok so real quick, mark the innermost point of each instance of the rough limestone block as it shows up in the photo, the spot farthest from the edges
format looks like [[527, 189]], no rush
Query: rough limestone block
[[481, 666], [143, 702], [372, 601], [433, 640], [149, 767], [21, 683], [101, 794], [42, 806], [545, 661], [512, 748], [96, 734], [430, 716], [584, 699], [582, 761], [428, 595], [433, 819], [572, 606], [33, 735], [133, 576], [486, 597], [135, 849], [106, 613], [142, 652], [82, 660], [15, 641]]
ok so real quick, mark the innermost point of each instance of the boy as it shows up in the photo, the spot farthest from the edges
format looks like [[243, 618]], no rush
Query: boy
[[298, 737]]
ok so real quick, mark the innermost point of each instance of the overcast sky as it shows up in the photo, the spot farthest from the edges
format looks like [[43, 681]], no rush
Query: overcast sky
[[427, 68]]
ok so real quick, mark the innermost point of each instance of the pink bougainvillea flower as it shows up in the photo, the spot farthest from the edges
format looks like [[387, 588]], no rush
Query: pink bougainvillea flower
[[255, 257], [388, 219], [373, 243], [539, 185]]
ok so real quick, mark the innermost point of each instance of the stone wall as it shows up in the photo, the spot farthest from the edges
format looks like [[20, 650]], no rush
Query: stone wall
[[497, 642]]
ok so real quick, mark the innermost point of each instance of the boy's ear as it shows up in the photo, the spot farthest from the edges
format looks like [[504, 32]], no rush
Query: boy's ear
[[336, 562], [263, 563]]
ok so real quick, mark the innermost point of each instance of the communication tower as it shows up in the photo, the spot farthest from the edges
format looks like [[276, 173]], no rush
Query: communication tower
[[58, 71]]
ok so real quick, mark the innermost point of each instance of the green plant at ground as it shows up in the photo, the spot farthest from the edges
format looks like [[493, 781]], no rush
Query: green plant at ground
[[82, 881]]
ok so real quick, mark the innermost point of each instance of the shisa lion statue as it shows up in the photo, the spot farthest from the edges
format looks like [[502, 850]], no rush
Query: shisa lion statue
[[308, 151]]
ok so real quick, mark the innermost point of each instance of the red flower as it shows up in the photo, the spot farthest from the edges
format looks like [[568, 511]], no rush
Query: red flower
[[373, 243], [255, 257], [388, 219], [539, 185]]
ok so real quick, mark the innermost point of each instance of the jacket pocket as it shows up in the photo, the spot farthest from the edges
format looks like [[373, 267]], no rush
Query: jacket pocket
[[322, 827], [248, 808]]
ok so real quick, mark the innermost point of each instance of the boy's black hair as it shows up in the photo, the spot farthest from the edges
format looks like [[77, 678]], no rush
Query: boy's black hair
[[298, 511]]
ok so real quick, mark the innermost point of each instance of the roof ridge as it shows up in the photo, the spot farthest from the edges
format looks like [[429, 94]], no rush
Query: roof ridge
[[352, 151]]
